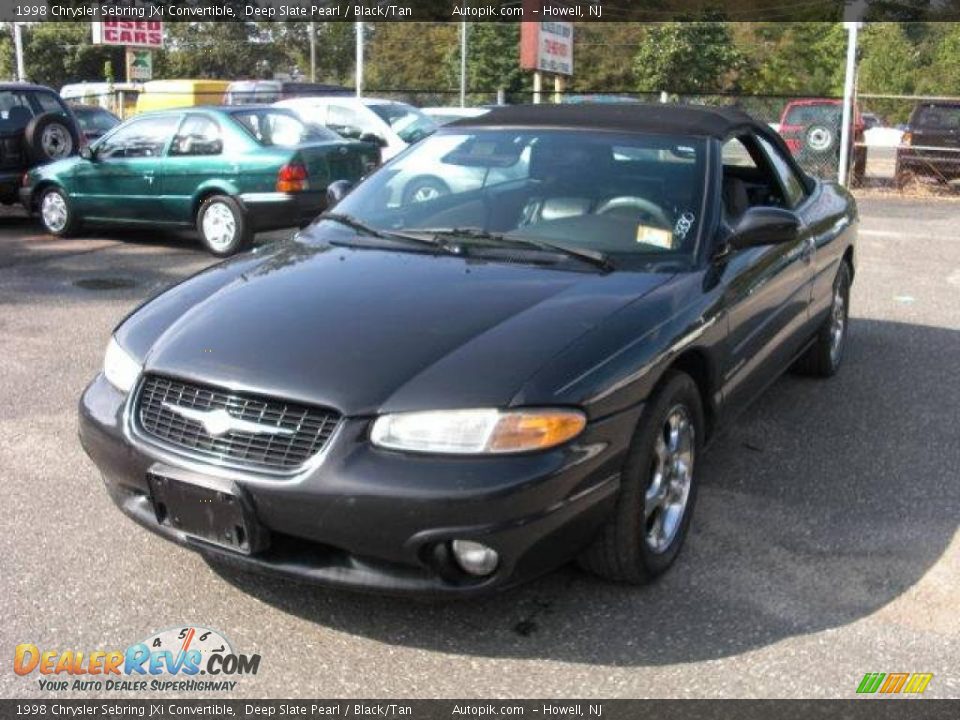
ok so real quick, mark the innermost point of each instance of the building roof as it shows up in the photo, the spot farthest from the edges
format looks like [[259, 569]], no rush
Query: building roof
[[717, 122]]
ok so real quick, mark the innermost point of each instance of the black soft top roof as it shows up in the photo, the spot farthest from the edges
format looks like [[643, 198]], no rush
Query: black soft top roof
[[718, 122]]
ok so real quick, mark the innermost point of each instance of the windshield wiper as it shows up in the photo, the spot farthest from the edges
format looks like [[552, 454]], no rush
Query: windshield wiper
[[592, 257], [361, 227]]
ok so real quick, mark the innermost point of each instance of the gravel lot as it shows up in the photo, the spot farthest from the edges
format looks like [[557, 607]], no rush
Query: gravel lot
[[824, 546]]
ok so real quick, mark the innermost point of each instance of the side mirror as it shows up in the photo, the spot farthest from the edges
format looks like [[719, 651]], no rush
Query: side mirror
[[87, 153], [765, 226], [337, 191], [373, 139]]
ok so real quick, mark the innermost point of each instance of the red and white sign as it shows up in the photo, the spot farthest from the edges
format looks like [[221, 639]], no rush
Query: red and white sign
[[547, 46], [128, 32]]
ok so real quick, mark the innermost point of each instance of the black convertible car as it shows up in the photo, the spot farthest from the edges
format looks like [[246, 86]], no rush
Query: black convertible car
[[455, 394]]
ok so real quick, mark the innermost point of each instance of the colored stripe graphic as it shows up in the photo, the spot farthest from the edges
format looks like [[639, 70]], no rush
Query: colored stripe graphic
[[870, 682]]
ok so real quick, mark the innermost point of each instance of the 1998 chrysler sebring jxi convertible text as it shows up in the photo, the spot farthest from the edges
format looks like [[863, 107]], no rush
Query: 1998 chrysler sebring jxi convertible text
[[454, 394]]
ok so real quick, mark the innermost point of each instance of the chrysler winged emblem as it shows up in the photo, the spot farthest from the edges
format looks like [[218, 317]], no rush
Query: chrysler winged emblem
[[219, 422]]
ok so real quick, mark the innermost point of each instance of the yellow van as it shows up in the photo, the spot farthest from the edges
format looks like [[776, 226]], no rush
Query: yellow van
[[167, 94]]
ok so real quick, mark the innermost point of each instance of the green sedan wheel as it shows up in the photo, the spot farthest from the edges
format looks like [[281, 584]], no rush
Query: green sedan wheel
[[56, 213], [222, 225]]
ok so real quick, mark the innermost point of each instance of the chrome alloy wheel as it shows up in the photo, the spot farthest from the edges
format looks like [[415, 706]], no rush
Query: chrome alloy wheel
[[56, 141], [838, 324], [671, 474], [425, 193], [820, 139], [219, 226], [53, 210]]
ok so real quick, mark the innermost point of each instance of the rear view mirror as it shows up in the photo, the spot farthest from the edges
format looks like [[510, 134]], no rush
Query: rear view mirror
[[373, 139], [87, 153], [337, 191], [765, 226]]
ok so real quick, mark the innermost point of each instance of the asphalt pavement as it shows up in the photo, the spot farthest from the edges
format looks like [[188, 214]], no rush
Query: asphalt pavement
[[824, 544]]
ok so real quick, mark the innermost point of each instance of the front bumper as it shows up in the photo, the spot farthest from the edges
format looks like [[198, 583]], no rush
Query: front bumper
[[274, 210], [369, 519]]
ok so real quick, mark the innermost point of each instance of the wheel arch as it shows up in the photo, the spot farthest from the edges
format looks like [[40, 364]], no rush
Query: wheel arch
[[848, 259], [209, 190], [696, 363]]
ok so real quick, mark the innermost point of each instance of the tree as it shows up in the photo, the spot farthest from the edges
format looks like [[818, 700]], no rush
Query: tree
[[218, 50], [943, 75], [411, 56], [888, 66], [602, 56], [687, 57], [335, 49], [793, 58], [57, 53], [493, 62]]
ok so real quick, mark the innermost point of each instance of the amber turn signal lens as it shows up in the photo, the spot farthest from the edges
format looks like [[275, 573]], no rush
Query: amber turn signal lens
[[533, 430]]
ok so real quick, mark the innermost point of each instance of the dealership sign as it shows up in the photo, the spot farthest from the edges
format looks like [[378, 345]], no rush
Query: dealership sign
[[128, 32], [547, 46], [139, 64]]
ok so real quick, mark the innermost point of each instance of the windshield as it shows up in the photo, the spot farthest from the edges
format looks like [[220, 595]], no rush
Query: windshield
[[945, 117], [274, 127], [95, 121], [626, 196], [406, 121]]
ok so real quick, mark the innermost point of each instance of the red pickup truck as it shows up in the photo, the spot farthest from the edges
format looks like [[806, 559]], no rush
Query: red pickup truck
[[811, 129]]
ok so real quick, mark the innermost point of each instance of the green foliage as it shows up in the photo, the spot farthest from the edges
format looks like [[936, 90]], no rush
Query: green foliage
[[888, 66], [687, 57], [57, 53], [794, 58], [335, 43], [943, 75], [217, 50], [493, 61], [412, 56]]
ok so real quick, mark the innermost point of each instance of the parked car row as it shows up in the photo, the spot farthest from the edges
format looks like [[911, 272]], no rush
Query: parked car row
[[232, 170], [229, 171]]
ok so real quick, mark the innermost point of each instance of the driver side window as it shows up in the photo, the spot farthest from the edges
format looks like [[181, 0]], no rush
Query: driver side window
[[141, 138], [748, 179]]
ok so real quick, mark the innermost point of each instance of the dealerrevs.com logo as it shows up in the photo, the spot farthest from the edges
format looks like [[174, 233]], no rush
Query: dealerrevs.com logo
[[184, 659]]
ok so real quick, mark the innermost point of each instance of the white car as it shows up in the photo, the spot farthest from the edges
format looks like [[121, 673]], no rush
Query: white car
[[444, 115], [393, 125]]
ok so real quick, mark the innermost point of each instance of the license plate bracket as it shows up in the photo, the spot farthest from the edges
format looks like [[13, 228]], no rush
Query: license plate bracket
[[213, 515]]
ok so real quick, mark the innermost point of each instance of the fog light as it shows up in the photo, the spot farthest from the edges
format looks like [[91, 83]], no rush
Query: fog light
[[475, 558]]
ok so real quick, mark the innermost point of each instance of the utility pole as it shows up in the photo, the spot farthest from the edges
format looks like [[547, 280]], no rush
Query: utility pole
[[313, 51], [359, 31], [463, 64], [18, 46], [848, 110]]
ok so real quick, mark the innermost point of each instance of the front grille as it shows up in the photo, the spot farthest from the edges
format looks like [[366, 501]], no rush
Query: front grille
[[305, 429]]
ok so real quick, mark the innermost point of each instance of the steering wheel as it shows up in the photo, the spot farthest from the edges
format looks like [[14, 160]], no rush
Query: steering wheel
[[632, 202]]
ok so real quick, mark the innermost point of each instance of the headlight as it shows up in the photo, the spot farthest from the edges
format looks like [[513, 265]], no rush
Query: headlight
[[120, 369], [471, 432]]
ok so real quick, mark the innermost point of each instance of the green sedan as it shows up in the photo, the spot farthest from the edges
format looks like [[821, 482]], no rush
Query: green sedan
[[227, 171]]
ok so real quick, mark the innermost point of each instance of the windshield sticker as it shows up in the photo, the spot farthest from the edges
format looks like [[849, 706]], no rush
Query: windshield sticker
[[654, 236], [684, 223]]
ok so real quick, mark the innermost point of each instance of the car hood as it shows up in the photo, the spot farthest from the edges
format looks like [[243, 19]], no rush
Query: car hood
[[370, 330]]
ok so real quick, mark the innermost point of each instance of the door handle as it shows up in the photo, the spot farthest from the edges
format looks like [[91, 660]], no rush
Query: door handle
[[809, 245]]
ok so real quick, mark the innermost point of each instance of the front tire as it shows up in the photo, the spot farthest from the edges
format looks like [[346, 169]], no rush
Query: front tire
[[222, 225], [658, 488], [823, 358], [56, 212]]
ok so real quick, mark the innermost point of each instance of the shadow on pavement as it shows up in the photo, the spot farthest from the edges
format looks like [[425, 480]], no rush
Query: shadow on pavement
[[823, 503]]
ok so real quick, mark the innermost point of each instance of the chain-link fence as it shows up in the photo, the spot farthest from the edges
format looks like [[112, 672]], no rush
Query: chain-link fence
[[810, 125], [898, 143], [911, 143]]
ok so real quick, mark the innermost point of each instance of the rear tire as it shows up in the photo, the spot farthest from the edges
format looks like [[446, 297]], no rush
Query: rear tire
[[56, 212], [823, 358], [658, 488], [223, 226]]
